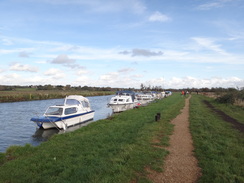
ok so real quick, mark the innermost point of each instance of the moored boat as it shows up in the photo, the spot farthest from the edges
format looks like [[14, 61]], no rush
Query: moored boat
[[122, 101], [144, 98], [76, 109]]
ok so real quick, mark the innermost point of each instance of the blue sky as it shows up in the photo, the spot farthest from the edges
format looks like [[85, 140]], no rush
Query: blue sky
[[172, 44]]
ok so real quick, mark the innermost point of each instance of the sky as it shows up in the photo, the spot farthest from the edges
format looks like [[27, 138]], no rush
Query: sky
[[126, 43]]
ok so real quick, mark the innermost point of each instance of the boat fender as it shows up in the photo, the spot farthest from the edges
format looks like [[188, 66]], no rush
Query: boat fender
[[64, 126]]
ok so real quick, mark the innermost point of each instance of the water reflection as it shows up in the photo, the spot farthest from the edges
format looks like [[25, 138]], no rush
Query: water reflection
[[43, 135]]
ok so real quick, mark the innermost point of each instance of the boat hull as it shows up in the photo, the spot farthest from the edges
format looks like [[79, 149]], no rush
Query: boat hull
[[63, 122], [144, 102], [121, 107]]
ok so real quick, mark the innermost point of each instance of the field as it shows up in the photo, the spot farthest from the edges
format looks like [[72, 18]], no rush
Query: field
[[122, 147]]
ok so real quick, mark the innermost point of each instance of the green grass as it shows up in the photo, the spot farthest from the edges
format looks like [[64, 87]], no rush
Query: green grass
[[218, 146], [25, 89], [112, 150]]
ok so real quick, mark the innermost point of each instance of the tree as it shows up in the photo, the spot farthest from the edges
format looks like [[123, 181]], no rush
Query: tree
[[142, 87], [67, 87]]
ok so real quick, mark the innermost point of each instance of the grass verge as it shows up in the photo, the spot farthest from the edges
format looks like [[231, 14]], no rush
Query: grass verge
[[112, 150], [218, 146]]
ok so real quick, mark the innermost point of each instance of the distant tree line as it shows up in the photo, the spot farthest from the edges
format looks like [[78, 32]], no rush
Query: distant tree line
[[93, 88], [9, 88], [69, 87], [60, 87]]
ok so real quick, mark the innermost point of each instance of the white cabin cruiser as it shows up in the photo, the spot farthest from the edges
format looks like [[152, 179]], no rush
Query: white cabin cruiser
[[144, 98], [76, 109], [122, 101]]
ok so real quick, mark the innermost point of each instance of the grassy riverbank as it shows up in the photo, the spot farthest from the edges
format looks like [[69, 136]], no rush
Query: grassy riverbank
[[32, 94], [218, 145], [112, 150]]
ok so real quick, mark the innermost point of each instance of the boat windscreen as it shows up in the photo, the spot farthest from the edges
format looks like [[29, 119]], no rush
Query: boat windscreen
[[72, 102], [54, 111]]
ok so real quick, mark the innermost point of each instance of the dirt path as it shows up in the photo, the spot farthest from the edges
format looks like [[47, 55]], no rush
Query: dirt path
[[236, 124], [180, 165]]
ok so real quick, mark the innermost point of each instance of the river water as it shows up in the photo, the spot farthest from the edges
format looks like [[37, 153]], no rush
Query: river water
[[17, 129]]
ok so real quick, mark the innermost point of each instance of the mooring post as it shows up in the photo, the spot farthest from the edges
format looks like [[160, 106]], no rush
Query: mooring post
[[157, 117]]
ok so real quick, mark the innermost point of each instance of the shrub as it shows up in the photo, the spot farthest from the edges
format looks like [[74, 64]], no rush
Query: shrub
[[226, 99]]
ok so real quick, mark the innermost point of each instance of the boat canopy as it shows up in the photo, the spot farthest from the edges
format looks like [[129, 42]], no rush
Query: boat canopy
[[127, 93], [76, 100]]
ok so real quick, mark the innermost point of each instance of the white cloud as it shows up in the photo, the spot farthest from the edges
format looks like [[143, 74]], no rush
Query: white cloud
[[209, 44], [23, 67], [17, 50], [1, 70], [158, 17], [81, 53], [137, 6], [67, 62], [192, 82], [16, 79], [24, 54], [208, 6], [137, 76], [109, 6], [214, 4], [55, 73], [116, 79], [84, 80], [82, 71], [147, 53], [98, 6], [141, 52], [9, 79], [125, 70], [6, 42], [62, 59], [110, 77]]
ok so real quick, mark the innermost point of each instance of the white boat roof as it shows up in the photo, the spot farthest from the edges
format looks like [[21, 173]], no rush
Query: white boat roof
[[77, 97], [121, 97]]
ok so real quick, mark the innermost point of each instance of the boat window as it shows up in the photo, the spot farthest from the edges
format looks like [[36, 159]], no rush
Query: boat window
[[115, 99], [121, 100], [72, 102], [70, 110], [127, 100], [85, 104], [54, 111]]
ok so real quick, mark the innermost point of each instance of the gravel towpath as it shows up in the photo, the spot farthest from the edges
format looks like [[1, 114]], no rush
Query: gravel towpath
[[180, 165]]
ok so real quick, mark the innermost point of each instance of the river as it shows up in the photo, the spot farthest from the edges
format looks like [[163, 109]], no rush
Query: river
[[17, 129]]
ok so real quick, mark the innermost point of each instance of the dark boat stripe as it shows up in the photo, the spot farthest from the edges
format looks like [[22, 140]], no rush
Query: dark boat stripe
[[47, 119]]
